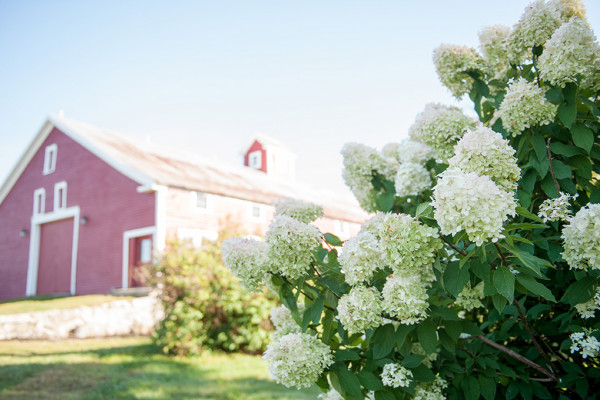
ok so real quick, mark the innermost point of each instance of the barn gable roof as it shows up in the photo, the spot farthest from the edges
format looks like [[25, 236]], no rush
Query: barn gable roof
[[150, 166]]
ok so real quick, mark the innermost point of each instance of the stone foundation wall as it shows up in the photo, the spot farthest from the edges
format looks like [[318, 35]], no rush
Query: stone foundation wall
[[115, 318]]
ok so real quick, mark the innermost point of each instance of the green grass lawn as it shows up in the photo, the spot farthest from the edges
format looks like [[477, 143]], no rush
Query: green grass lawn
[[42, 303], [130, 368]]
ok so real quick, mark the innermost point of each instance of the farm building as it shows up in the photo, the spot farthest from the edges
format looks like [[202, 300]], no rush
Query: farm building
[[84, 207]]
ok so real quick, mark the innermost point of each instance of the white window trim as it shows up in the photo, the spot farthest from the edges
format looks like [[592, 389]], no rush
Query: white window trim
[[127, 235], [39, 201], [60, 202], [251, 157], [34, 246], [50, 158], [261, 214], [194, 201]]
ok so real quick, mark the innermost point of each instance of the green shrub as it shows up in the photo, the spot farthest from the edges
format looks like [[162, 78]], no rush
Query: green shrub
[[205, 307]]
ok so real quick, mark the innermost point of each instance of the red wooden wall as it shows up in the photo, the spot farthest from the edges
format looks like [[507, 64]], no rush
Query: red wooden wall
[[107, 198]]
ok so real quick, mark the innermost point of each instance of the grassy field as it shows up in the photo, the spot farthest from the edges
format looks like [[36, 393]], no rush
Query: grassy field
[[42, 303], [130, 368]]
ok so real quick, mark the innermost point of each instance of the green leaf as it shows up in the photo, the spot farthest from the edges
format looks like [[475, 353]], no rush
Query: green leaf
[[383, 341], [539, 145], [369, 380], [583, 166], [384, 395], [455, 278], [413, 360], [332, 239], [401, 333], [525, 213], [567, 113], [549, 187], [529, 260], [327, 327], [526, 226], [564, 149], [345, 355], [385, 201], [554, 95], [561, 171], [582, 137], [471, 388], [287, 297], [595, 196], [424, 209], [349, 381], [423, 374], [453, 328], [427, 335], [535, 287], [582, 290], [488, 387], [499, 302], [504, 282]]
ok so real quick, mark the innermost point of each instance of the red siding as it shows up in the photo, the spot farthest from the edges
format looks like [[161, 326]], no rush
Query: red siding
[[255, 147], [56, 243], [107, 198]]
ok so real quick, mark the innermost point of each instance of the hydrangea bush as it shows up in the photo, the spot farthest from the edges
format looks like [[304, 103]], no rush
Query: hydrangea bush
[[477, 275]]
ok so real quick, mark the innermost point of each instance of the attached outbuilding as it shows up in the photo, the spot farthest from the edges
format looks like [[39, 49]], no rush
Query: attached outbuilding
[[84, 207]]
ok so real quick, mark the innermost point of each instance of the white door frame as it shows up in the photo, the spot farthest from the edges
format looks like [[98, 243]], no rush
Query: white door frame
[[127, 235], [34, 246]]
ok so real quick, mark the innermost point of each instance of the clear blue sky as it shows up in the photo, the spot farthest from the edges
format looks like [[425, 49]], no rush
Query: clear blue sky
[[206, 75]]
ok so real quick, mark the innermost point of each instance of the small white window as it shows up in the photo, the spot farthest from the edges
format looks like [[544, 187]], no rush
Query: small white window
[[146, 250], [255, 159], [340, 226], [39, 201], [201, 200], [50, 159], [60, 195], [256, 211]]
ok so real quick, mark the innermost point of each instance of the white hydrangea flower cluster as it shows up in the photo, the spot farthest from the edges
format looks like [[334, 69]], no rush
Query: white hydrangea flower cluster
[[290, 246], [525, 105], [405, 297], [390, 150], [359, 163], [302, 211], [452, 63], [282, 320], [297, 359], [567, 9], [247, 259], [485, 152], [412, 179], [588, 309], [582, 239], [431, 391], [395, 375], [537, 24], [440, 127], [409, 247], [571, 54], [470, 298], [361, 257], [473, 203], [360, 309], [585, 343], [410, 151], [556, 209], [492, 43]]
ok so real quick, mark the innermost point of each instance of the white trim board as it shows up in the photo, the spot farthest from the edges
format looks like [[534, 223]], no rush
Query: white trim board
[[127, 235], [34, 246]]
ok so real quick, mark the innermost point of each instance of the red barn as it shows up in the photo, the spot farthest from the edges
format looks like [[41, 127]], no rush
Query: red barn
[[84, 206]]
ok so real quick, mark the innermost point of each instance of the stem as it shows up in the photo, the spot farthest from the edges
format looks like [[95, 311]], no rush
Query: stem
[[518, 357], [531, 335], [501, 254], [453, 246], [552, 169]]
